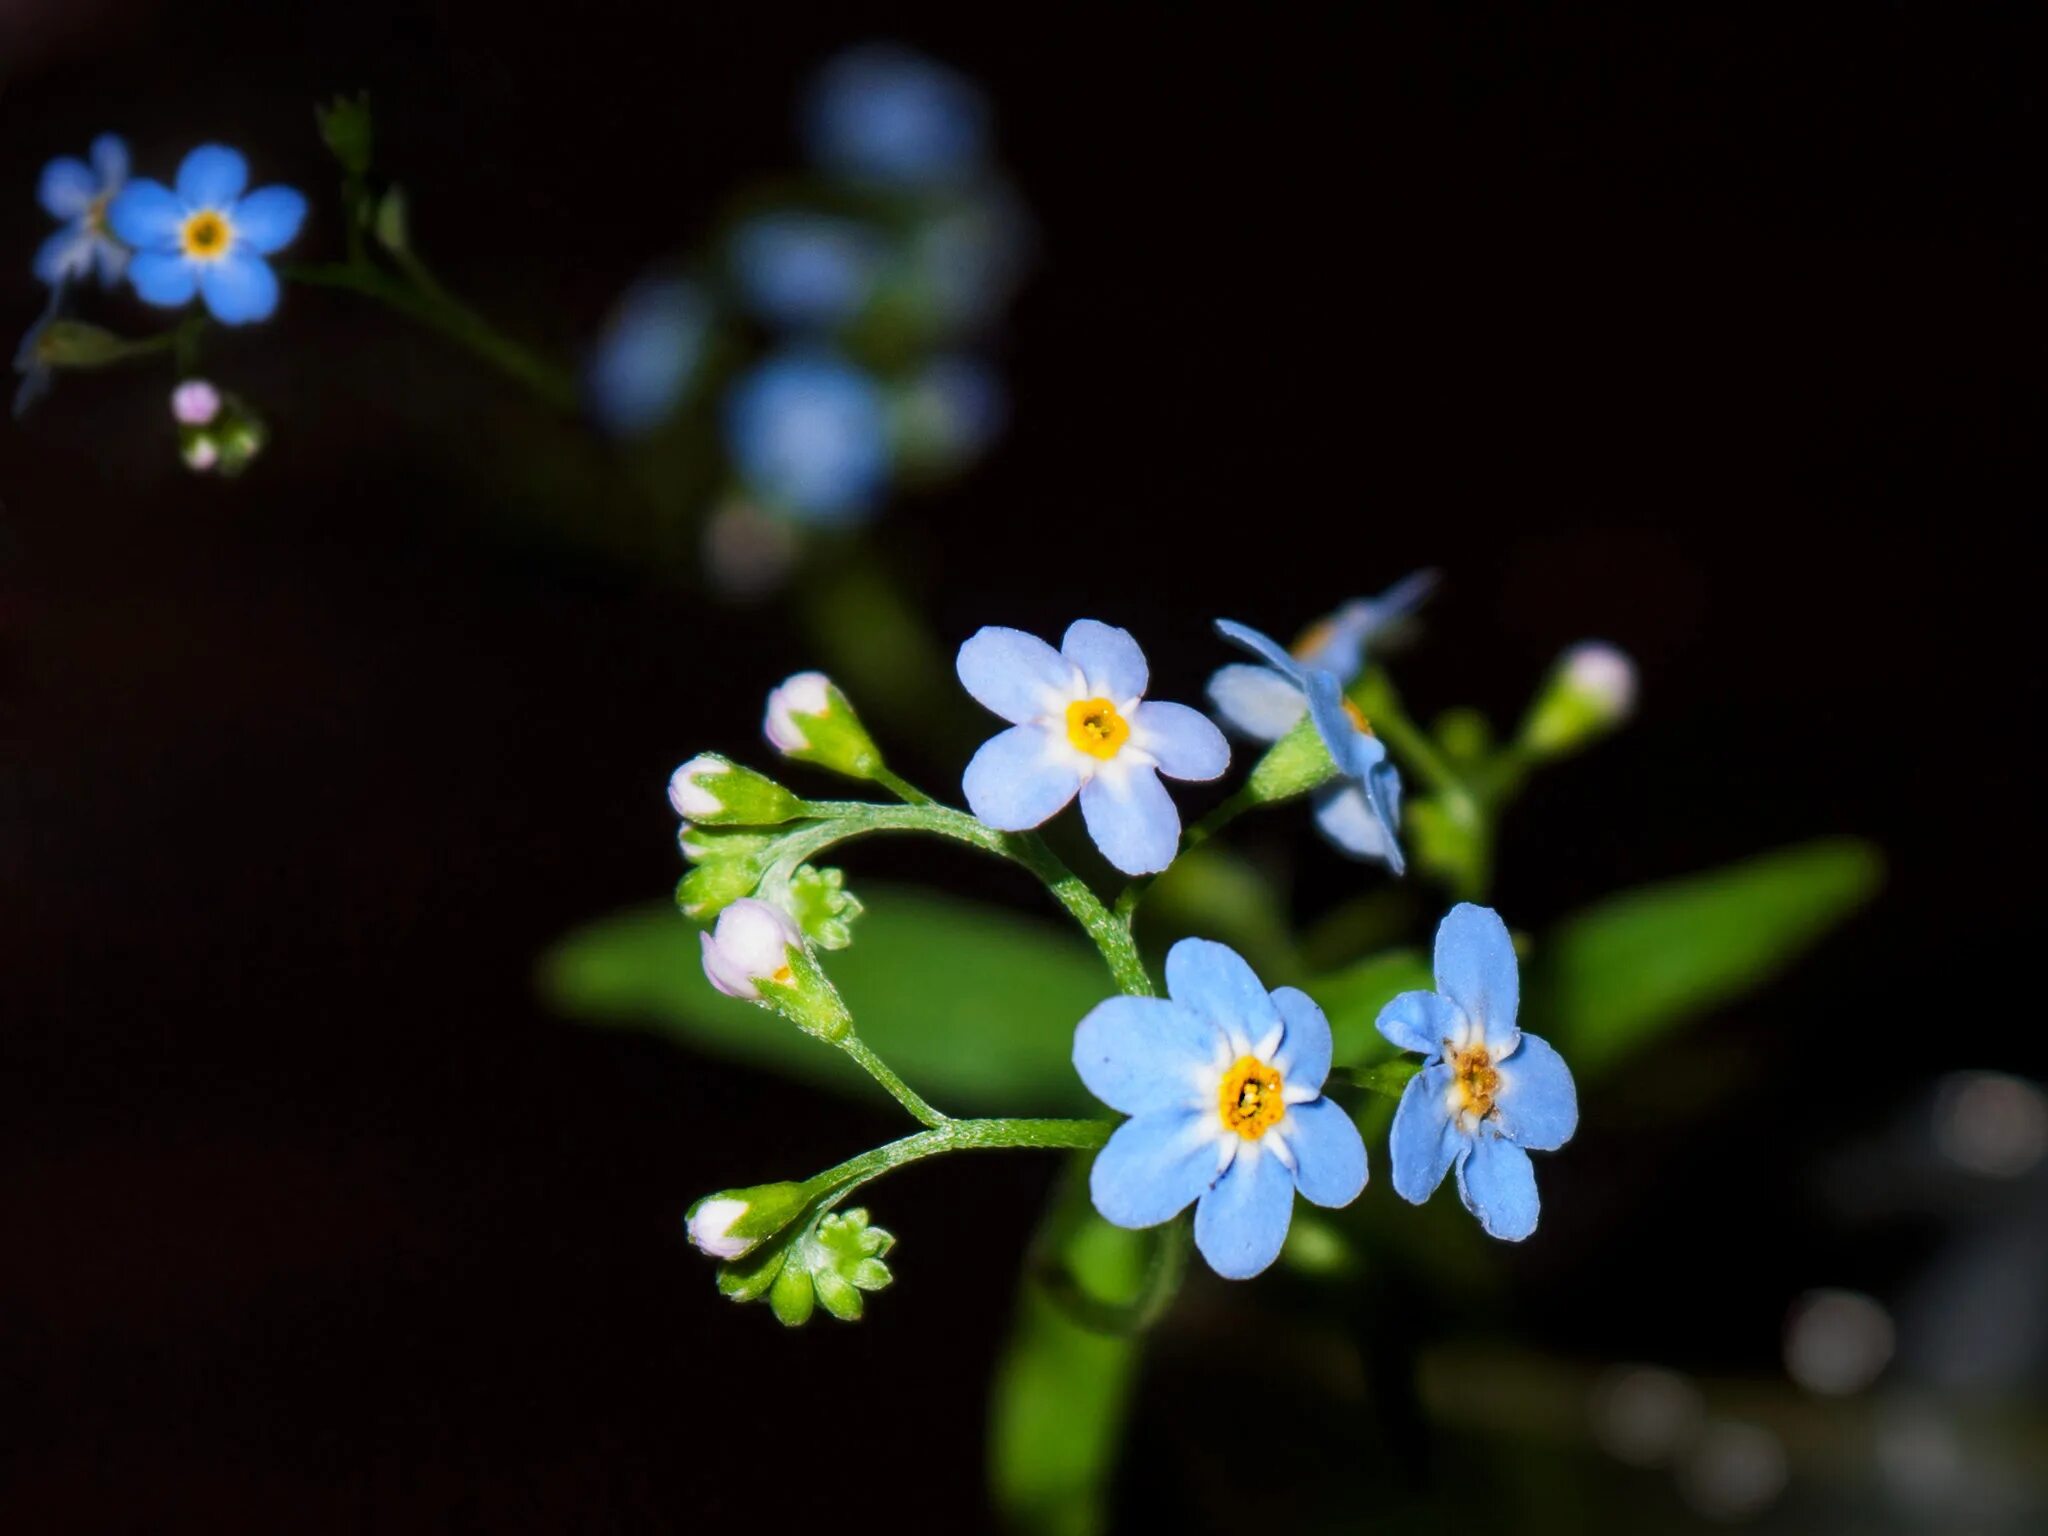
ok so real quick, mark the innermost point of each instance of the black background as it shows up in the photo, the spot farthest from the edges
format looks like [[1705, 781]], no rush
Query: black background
[[1710, 333]]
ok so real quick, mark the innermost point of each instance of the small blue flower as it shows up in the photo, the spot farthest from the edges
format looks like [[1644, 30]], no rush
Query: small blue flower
[[1488, 1094], [949, 413], [1223, 1083], [966, 259], [1360, 809], [1264, 704], [886, 116], [806, 270], [646, 355], [209, 236], [79, 195], [1080, 724], [809, 434], [37, 376]]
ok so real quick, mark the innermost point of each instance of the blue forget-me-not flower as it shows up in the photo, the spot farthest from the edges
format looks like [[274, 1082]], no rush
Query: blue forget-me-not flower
[[646, 355], [1080, 724], [1264, 703], [806, 270], [79, 194], [884, 115], [37, 376], [1488, 1094], [1360, 809], [1223, 1083], [809, 433], [208, 236]]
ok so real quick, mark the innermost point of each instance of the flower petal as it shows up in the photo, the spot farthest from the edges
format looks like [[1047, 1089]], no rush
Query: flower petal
[[212, 176], [1424, 1140], [1256, 701], [1476, 969], [112, 260], [1304, 1053], [1422, 1021], [162, 278], [1017, 675], [1020, 778], [1184, 742], [1352, 750], [110, 161], [1152, 1167], [1131, 817], [65, 255], [1108, 657], [1263, 646], [1537, 1102], [1215, 982], [239, 288], [268, 219], [1242, 1221], [1498, 1185], [1145, 1054], [147, 216], [1345, 816], [1329, 1154], [67, 187]]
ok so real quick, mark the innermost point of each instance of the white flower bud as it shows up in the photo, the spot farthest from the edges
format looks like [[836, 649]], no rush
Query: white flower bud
[[688, 790], [807, 693], [201, 454], [1605, 675], [195, 403], [710, 1228], [750, 945]]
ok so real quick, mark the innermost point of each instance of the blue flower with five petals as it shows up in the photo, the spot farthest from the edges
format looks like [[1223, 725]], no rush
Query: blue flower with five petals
[[1080, 724], [79, 194], [1488, 1094], [1223, 1083], [209, 236], [1264, 704], [1360, 809]]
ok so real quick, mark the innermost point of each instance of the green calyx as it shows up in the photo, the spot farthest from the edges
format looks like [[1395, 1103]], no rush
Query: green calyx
[[714, 790], [831, 1263], [1295, 764], [822, 906], [811, 721]]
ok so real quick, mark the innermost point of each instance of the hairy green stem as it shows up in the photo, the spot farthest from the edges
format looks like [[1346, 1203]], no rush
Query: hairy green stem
[[884, 1074], [960, 1136]]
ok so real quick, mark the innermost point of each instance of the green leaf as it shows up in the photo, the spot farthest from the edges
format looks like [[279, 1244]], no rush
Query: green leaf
[[1353, 997], [975, 1006], [1614, 977], [1389, 1079]]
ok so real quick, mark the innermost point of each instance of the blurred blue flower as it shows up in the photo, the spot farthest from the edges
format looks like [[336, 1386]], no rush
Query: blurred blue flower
[[37, 375], [646, 355], [966, 259], [1223, 1083], [884, 115], [1080, 724], [1264, 703], [208, 236], [1359, 810], [79, 195], [806, 270], [949, 413], [1487, 1094], [809, 433]]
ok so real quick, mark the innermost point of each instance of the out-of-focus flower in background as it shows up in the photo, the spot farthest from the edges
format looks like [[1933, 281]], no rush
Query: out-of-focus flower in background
[[647, 354], [948, 414], [31, 358], [79, 194], [803, 270], [808, 433], [883, 115], [208, 236]]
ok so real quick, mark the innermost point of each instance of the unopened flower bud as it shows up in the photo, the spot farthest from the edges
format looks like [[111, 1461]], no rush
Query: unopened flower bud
[[200, 452], [757, 953], [195, 403], [715, 885], [1591, 690], [734, 1222], [711, 788], [810, 720]]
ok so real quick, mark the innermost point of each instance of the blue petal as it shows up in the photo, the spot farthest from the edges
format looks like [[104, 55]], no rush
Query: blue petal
[[803, 269], [1344, 815], [1132, 818], [884, 114], [1340, 641], [1265, 647], [1108, 657], [1183, 741], [239, 288], [1329, 1154], [1256, 701], [1241, 1223], [809, 433], [1019, 778], [1145, 1054], [67, 187], [212, 176], [65, 255], [1017, 675], [1537, 1102], [1152, 1167], [1352, 750], [163, 279], [647, 354], [147, 216], [1498, 1185], [1214, 980], [112, 260], [1304, 1052], [110, 161], [1422, 1021], [1477, 970], [268, 219], [1424, 1140]]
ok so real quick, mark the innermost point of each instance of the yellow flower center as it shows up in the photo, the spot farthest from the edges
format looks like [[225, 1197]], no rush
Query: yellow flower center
[[205, 235], [1357, 718], [1250, 1098], [1094, 726], [96, 215], [1476, 1081], [1313, 639]]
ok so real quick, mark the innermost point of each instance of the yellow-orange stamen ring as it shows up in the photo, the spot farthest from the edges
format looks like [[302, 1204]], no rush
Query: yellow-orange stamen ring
[[205, 235], [1094, 727], [1251, 1098], [1477, 1081]]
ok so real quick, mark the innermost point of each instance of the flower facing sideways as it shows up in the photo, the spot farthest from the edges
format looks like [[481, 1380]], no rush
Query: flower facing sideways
[[80, 194], [208, 236], [1080, 724], [1223, 1083], [1488, 1094]]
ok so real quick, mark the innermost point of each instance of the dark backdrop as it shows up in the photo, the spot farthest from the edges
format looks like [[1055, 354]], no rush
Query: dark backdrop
[[1711, 335]]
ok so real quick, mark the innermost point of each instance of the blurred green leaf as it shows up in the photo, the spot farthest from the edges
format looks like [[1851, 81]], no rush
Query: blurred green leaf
[[1353, 997], [1389, 1079], [975, 1006], [1613, 977], [1220, 896]]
